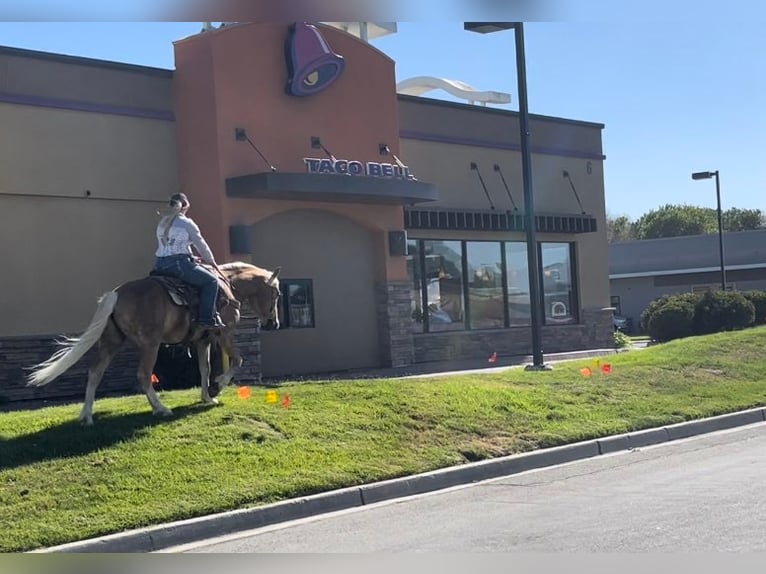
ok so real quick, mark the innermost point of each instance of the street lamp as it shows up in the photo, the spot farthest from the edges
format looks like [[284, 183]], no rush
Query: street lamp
[[708, 175], [526, 175]]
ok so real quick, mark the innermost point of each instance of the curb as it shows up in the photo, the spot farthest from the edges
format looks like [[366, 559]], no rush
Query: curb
[[152, 539]]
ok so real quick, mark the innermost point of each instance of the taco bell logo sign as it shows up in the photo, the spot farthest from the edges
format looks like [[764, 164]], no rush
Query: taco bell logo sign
[[351, 167], [312, 66]]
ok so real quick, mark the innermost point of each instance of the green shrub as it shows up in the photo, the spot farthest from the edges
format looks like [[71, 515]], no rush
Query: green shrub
[[673, 319], [758, 299], [720, 311], [691, 298], [621, 340]]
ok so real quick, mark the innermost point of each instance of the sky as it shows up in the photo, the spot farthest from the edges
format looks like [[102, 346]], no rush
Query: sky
[[676, 96]]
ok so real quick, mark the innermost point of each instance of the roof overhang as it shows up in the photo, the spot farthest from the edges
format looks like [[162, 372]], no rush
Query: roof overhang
[[331, 188], [690, 270]]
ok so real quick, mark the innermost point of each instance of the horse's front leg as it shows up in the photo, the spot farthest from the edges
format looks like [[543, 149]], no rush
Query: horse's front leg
[[226, 342], [203, 362]]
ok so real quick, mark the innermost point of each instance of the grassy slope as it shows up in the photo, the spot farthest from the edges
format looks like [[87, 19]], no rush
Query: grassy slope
[[60, 482]]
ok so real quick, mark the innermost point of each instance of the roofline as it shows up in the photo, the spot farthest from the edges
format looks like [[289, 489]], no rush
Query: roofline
[[685, 271], [496, 111], [82, 61], [687, 237]]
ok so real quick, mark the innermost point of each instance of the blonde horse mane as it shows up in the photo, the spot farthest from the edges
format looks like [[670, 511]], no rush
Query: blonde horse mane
[[242, 268]]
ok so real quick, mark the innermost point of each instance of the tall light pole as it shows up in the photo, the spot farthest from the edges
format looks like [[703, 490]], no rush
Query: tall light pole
[[526, 173], [708, 175]]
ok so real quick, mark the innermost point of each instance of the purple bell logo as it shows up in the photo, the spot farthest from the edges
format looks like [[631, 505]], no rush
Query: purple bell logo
[[311, 64]]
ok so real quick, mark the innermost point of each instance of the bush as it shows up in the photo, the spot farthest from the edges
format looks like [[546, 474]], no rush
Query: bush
[[673, 319], [646, 316], [758, 299], [621, 340], [722, 311]]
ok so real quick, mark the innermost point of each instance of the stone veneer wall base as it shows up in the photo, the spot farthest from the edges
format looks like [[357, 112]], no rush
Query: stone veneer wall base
[[395, 323]]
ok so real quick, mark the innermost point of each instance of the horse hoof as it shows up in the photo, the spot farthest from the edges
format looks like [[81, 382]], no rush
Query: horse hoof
[[209, 401], [86, 421], [222, 380], [165, 413]]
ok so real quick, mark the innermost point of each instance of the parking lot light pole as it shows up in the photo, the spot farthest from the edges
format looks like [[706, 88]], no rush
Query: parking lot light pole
[[708, 175], [533, 262]]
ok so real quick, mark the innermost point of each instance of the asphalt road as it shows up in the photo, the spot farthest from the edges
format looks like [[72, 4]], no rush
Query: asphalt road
[[700, 494]]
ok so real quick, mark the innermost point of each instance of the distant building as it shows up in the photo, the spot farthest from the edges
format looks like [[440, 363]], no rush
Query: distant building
[[641, 271]]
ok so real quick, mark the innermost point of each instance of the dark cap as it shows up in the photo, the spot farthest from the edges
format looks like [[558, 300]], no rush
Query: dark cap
[[179, 198]]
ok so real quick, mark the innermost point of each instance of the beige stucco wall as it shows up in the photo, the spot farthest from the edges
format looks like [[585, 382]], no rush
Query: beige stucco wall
[[52, 233], [339, 256]]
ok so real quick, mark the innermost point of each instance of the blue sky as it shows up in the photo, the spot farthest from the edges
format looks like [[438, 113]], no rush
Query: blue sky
[[675, 96]]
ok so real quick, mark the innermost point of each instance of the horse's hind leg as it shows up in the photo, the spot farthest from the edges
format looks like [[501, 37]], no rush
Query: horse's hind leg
[[203, 362], [110, 342], [147, 360]]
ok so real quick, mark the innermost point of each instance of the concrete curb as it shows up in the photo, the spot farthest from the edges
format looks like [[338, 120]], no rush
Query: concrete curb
[[165, 536]]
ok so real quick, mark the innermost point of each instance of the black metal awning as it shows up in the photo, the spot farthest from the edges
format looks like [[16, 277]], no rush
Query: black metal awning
[[332, 188], [463, 220]]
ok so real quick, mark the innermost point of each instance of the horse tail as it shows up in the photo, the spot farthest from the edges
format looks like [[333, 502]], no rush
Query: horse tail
[[73, 349]]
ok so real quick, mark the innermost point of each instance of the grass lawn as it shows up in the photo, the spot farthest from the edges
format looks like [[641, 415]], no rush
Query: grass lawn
[[61, 482]]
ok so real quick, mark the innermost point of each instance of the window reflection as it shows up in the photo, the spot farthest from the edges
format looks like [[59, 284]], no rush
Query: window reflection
[[438, 272], [444, 285], [416, 289], [516, 261], [297, 303], [485, 285], [558, 291]]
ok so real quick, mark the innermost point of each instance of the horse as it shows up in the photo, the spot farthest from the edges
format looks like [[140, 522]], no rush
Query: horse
[[143, 312]]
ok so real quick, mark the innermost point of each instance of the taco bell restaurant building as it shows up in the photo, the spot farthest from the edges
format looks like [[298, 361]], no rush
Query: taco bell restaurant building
[[397, 220]]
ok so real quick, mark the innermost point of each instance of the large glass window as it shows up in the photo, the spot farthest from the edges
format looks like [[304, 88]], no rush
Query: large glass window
[[297, 303], [444, 285], [416, 286], [559, 300], [485, 285], [490, 288], [517, 266]]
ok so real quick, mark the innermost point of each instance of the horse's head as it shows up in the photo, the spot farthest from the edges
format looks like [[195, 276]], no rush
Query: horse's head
[[258, 288]]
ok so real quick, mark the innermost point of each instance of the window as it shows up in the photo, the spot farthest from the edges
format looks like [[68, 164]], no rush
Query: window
[[444, 285], [297, 303], [558, 288], [485, 284], [416, 287], [517, 265], [614, 301], [486, 306]]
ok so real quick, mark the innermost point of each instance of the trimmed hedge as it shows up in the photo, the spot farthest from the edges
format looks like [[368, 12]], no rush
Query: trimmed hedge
[[722, 311], [758, 299], [672, 320], [685, 314]]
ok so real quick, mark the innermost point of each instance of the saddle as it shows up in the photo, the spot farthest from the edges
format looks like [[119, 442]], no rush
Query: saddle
[[187, 295]]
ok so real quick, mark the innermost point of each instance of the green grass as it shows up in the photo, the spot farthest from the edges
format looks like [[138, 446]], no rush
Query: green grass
[[60, 482]]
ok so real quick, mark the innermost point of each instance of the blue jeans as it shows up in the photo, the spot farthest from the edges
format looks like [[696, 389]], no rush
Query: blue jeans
[[182, 267]]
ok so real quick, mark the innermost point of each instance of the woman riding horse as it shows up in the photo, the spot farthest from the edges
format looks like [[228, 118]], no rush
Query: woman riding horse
[[176, 233]]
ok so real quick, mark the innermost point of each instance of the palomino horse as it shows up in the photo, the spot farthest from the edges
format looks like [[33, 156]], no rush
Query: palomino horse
[[143, 312]]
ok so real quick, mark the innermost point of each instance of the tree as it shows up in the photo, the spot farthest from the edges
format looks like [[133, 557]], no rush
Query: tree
[[675, 221], [678, 220], [736, 219], [619, 229]]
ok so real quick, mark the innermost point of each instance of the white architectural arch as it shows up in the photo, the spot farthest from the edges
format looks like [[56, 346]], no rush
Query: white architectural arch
[[420, 85]]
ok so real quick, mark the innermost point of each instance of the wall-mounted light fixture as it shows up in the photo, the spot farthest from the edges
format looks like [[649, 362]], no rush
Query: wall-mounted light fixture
[[240, 135]]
